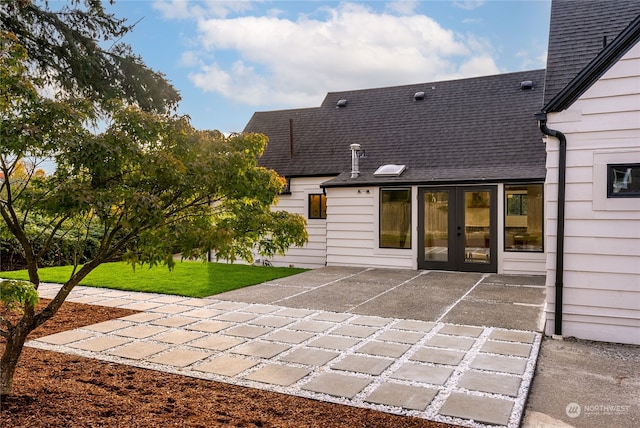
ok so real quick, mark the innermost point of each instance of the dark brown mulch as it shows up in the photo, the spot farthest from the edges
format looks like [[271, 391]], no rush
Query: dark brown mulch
[[58, 390]]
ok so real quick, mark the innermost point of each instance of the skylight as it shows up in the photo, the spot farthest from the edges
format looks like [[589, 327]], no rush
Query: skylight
[[390, 170]]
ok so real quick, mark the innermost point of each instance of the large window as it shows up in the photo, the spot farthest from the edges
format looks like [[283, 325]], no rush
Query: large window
[[395, 218], [317, 206], [523, 217], [623, 181]]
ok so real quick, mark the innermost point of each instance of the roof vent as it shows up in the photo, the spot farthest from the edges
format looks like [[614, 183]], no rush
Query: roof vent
[[418, 96], [526, 85], [341, 103], [390, 170]]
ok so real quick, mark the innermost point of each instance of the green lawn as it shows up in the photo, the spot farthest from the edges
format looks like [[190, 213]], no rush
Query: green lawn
[[193, 279]]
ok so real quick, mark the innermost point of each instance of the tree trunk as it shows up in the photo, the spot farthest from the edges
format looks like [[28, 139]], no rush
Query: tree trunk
[[9, 360]]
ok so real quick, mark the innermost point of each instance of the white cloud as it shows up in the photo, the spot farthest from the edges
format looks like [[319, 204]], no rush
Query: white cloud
[[468, 4], [402, 7], [295, 62], [184, 9]]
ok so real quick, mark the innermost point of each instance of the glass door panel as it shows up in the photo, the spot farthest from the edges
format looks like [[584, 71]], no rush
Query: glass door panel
[[436, 226], [477, 226], [457, 228]]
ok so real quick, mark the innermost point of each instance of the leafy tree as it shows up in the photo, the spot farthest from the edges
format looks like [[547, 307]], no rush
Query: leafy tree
[[75, 46], [150, 181]]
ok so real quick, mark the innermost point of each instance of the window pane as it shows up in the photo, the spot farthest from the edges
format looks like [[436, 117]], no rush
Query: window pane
[[317, 206], [436, 226], [523, 217], [395, 218], [624, 181]]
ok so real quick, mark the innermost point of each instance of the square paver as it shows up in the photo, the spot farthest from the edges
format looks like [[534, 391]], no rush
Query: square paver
[[87, 300], [309, 356], [142, 317], [139, 296], [114, 303], [261, 309], [173, 321], [405, 396], [248, 331], [362, 364], [513, 336], [229, 306], [178, 337], [481, 409], [355, 331], [332, 316], [499, 364], [295, 313], [99, 344], [461, 330], [261, 349], [180, 357], [438, 356], [217, 343], [142, 306], [435, 375], [419, 326], [203, 313], [278, 374], [108, 326], [334, 342], [65, 337], [138, 350], [289, 336], [170, 309], [490, 382], [338, 385], [141, 331], [507, 348], [384, 349], [371, 321], [400, 336], [451, 342], [210, 326], [275, 322], [236, 316], [226, 365], [168, 299], [313, 326], [195, 302]]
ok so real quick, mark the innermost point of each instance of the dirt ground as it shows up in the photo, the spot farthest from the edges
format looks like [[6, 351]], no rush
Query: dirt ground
[[57, 390]]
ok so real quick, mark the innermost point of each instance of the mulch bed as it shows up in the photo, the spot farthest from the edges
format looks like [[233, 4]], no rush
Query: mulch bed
[[58, 390]]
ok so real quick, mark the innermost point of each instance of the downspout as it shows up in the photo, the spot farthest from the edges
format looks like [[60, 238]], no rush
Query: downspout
[[562, 166]]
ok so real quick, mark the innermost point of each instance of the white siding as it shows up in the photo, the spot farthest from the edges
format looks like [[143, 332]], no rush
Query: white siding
[[352, 231], [313, 254], [602, 235]]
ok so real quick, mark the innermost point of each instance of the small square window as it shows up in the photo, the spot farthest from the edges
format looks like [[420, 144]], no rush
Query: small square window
[[623, 180], [317, 206]]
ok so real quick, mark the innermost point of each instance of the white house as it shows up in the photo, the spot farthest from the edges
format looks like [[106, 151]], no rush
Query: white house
[[593, 119], [454, 175], [462, 183]]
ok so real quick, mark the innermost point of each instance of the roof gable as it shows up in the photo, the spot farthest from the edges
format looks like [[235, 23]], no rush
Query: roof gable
[[628, 38], [579, 31]]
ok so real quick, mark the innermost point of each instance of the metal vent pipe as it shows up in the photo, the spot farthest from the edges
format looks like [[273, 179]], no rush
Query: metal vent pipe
[[355, 163]]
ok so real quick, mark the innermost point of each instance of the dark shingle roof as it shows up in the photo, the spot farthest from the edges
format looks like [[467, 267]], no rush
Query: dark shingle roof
[[576, 35], [464, 130]]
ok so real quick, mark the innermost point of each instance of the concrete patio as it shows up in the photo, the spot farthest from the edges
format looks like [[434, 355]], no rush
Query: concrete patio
[[451, 347]]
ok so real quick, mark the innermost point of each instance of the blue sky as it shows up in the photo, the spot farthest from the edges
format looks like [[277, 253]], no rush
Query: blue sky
[[230, 59]]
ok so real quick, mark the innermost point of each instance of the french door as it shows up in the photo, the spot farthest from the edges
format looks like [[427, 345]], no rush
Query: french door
[[457, 228]]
